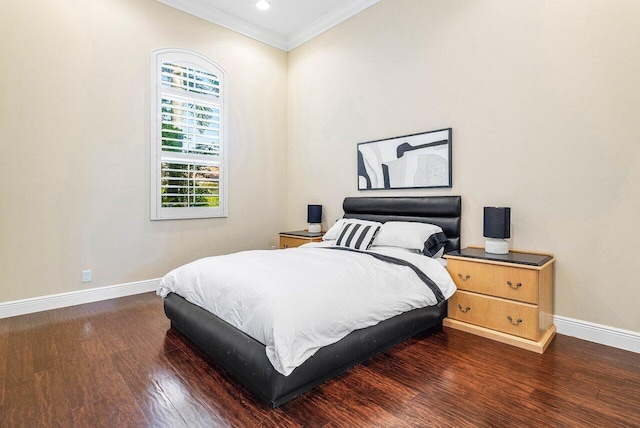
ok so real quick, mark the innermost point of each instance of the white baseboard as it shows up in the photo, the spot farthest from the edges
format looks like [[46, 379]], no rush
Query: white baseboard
[[62, 300], [598, 333]]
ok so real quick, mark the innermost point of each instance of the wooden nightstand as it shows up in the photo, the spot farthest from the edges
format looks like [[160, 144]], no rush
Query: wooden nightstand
[[508, 298], [298, 237]]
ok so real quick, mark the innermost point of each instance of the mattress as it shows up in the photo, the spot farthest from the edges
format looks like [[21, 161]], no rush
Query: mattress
[[299, 300]]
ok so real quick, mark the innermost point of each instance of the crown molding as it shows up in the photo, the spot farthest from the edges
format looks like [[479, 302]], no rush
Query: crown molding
[[201, 9], [328, 21]]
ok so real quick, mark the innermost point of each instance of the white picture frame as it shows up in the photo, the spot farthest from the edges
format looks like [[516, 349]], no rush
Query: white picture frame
[[413, 161]]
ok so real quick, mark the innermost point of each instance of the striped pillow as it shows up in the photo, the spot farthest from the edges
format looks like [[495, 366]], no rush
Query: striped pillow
[[357, 234]]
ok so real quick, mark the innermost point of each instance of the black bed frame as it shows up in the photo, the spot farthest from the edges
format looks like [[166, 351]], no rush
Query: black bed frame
[[245, 358]]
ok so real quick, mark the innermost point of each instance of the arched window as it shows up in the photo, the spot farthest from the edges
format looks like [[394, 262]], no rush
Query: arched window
[[188, 150]]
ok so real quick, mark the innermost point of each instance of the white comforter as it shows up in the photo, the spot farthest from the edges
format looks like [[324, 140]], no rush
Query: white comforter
[[298, 300]]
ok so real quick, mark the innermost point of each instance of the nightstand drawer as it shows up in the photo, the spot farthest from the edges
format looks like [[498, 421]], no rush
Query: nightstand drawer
[[287, 242], [514, 283], [519, 319], [298, 237]]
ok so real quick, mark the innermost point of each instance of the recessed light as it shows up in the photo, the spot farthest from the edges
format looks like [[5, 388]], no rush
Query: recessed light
[[263, 4]]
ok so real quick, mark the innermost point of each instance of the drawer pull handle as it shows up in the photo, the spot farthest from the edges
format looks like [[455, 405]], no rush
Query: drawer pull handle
[[465, 310], [518, 321], [510, 284], [464, 278]]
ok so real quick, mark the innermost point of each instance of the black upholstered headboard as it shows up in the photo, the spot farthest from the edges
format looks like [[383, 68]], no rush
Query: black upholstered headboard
[[444, 211]]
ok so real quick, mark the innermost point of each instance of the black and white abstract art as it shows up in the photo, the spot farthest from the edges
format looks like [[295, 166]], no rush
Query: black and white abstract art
[[407, 162]]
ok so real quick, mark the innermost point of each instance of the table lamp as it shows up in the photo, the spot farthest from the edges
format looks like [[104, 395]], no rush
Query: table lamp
[[314, 218], [497, 227]]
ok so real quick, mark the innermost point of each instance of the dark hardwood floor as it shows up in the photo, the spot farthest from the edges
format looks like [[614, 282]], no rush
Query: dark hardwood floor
[[117, 363]]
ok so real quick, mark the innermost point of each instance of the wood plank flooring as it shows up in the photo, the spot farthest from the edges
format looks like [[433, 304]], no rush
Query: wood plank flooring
[[117, 363]]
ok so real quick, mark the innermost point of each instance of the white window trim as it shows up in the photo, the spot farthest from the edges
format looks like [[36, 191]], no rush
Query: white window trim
[[157, 211]]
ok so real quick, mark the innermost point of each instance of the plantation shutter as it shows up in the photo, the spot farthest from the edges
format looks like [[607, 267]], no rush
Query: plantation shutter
[[189, 150]]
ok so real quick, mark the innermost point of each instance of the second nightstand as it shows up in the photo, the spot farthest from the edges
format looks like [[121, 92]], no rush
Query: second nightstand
[[298, 237], [508, 298]]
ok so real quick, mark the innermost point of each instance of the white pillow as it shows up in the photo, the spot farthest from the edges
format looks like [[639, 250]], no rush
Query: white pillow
[[332, 233], [424, 237], [357, 234], [402, 250]]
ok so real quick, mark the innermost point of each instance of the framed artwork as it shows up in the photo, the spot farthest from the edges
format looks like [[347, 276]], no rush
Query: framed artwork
[[408, 162]]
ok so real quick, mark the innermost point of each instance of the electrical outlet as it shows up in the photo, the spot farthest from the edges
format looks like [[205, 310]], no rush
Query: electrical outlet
[[86, 275]]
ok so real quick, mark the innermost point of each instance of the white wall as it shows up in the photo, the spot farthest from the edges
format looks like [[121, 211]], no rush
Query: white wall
[[544, 101], [74, 127]]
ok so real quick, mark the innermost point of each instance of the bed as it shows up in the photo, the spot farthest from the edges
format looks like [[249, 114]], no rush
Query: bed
[[245, 358]]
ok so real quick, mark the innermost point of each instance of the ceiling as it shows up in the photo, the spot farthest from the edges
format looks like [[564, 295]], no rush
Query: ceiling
[[286, 25]]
